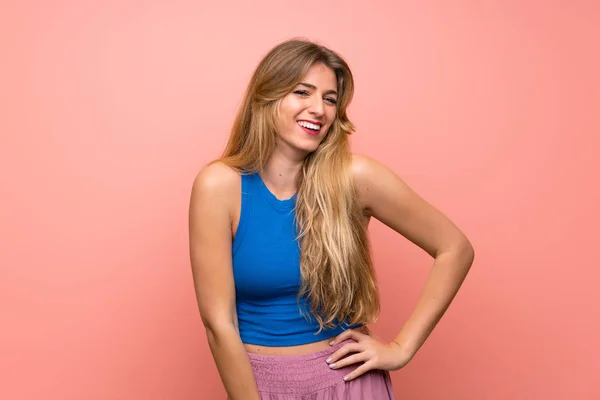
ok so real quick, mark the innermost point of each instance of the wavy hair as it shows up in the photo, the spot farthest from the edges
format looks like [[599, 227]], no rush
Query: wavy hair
[[336, 266]]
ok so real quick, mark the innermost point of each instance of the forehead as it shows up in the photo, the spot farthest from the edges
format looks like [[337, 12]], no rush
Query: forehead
[[320, 76]]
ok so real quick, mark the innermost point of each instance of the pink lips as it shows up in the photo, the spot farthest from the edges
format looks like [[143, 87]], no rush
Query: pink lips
[[310, 131]]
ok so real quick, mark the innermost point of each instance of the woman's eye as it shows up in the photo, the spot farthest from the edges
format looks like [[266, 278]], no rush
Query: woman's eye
[[304, 93]]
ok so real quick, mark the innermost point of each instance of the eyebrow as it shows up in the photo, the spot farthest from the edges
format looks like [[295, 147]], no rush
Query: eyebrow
[[313, 87]]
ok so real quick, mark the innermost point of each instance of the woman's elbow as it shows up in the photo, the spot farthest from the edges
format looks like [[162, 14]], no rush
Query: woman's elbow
[[219, 327]]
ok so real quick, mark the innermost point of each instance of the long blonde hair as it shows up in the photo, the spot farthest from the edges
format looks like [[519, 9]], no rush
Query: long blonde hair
[[336, 265]]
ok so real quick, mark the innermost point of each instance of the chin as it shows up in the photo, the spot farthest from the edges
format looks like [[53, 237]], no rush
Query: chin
[[305, 150], [309, 147]]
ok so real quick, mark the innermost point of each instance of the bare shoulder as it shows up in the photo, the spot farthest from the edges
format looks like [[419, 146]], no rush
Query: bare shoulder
[[362, 167], [217, 176], [370, 177], [218, 182]]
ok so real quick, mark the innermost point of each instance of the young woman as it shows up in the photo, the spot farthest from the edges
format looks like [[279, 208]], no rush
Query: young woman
[[278, 241]]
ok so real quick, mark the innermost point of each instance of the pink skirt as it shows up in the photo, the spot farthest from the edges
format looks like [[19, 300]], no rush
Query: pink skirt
[[309, 377]]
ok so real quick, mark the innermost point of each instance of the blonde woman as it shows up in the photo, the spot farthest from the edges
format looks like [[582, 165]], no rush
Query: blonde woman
[[279, 249]]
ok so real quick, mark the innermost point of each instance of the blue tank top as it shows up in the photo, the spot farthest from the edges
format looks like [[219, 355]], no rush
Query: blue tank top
[[266, 269]]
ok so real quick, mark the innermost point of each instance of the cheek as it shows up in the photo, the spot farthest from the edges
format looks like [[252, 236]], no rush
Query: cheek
[[289, 105], [331, 113], [281, 115], [284, 123], [286, 115]]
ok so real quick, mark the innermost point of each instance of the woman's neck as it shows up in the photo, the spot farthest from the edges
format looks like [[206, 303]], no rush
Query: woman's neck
[[280, 174]]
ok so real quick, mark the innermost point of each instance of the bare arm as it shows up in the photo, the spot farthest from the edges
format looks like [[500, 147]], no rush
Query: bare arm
[[387, 198], [210, 252]]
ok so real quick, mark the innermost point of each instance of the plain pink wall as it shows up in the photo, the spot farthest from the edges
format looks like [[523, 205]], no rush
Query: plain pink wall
[[490, 110]]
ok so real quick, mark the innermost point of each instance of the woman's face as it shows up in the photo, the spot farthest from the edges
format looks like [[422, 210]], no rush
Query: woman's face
[[307, 112]]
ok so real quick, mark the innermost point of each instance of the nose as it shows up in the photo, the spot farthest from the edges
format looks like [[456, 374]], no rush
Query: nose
[[317, 107]]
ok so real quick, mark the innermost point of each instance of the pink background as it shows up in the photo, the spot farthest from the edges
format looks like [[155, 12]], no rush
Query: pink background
[[490, 110]]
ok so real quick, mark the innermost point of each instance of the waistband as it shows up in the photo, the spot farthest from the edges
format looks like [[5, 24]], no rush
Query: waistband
[[301, 374]]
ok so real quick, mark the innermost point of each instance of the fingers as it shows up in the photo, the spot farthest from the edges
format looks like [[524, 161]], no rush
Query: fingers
[[343, 351], [348, 334], [359, 371], [353, 359]]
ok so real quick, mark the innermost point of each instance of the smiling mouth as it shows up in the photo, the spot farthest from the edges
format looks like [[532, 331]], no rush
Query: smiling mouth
[[309, 127]]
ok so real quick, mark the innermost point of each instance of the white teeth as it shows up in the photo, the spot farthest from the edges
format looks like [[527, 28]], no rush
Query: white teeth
[[309, 125]]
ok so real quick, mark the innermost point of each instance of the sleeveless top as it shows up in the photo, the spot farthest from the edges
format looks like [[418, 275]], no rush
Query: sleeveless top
[[266, 269]]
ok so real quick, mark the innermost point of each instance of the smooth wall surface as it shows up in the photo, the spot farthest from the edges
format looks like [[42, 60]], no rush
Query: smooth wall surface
[[490, 110]]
